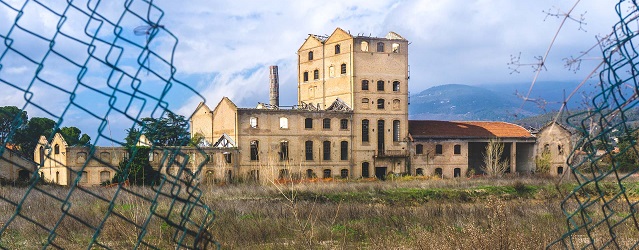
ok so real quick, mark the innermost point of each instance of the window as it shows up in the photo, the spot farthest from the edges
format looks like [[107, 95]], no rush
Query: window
[[310, 174], [364, 84], [438, 149], [326, 150], [365, 102], [253, 122], [380, 85], [365, 172], [560, 149], [283, 174], [419, 149], [305, 76], [308, 123], [308, 145], [419, 171], [364, 46], [284, 122], [396, 104], [343, 151], [343, 124], [105, 176], [337, 49], [343, 173], [84, 178], [343, 69], [364, 130], [546, 149], [56, 149], [284, 151], [315, 74], [327, 173], [331, 71], [380, 103], [439, 172], [310, 55], [326, 123], [457, 149], [395, 48], [457, 172], [396, 86], [380, 47], [255, 151], [396, 130], [560, 170], [228, 157]]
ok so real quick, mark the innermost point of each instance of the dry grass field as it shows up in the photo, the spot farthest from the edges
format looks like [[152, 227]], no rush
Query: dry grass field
[[510, 213]]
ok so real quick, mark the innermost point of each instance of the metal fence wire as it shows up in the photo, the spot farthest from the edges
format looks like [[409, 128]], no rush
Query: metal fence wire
[[108, 61], [599, 212]]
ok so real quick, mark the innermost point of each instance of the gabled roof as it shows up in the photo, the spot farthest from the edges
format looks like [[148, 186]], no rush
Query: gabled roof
[[339, 105], [225, 141], [394, 36], [554, 124], [225, 100], [466, 130]]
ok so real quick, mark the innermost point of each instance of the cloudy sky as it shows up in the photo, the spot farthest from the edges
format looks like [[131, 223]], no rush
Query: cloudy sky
[[225, 47]]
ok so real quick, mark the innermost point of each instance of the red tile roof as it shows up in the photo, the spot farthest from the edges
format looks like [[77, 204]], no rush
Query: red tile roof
[[466, 129]]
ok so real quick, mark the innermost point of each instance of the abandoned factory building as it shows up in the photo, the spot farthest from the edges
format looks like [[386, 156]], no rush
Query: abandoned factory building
[[351, 121]]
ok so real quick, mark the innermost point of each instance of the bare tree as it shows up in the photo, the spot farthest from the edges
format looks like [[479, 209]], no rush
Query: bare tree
[[494, 166]]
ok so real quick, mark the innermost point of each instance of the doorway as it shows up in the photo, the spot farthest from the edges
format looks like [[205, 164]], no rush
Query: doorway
[[380, 173]]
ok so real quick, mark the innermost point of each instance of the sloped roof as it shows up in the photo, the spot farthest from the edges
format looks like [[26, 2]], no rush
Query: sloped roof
[[466, 129]]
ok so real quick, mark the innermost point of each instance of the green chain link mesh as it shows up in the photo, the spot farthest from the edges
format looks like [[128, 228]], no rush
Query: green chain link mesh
[[600, 213], [109, 59]]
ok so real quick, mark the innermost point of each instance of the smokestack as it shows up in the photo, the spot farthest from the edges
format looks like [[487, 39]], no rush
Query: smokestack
[[275, 87]]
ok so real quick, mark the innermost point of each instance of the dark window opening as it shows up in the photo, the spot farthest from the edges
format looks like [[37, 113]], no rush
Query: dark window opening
[[284, 151], [365, 170], [56, 149], [255, 151], [310, 174], [419, 171], [310, 55], [457, 149], [326, 123], [364, 84], [327, 173], [228, 157], [439, 172], [343, 124], [439, 149], [396, 86], [396, 130], [364, 130], [380, 137], [380, 47], [560, 149], [337, 49], [308, 123], [308, 146], [343, 68], [343, 173], [343, 151], [380, 85], [327, 150], [315, 74], [457, 172], [380, 103], [419, 149], [560, 170], [305, 76]]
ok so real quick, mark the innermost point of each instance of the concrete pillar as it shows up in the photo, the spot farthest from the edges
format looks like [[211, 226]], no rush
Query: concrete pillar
[[513, 157]]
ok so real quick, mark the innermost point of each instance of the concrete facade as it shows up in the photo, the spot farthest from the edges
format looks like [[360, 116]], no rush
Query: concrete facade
[[554, 139], [14, 167]]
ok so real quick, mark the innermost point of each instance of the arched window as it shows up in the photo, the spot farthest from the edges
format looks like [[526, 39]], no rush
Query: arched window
[[315, 74], [337, 49], [419, 171], [396, 104], [419, 149], [343, 69], [380, 85], [365, 170], [364, 84], [343, 173], [380, 103], [457, 149], [310, 174], [439, 149], [457, 172], [380, 47], [365, 130], [310, 55], [364, 46], [305, 76], [396, 86], [439, 172], [326, 146], [365, 103], [56, 149], [327, 173]]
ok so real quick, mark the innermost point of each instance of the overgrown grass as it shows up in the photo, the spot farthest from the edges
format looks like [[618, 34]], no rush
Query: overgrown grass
[[515, 213]]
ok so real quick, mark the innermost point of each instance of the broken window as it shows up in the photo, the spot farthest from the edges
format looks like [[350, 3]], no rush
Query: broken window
[[439, 149], [380, 85], [343, 151], [396, 130], [105, 176], [253, 122], [419, 149], [327, 173], [308, 123], [343, 173], [255, 151], [395, 47], [331, 71], [396, 86], [380, 103], [364, 46], [364, 130], [308, 146], [364, 84], [310, 55], [365, 170], [310, 174], [365, 102], [396, 104], [305, 76], [326, 150], [457, 149], [84, 177], [315, 74], [419, 171], [560, 149], [439, 172], [343, 69], [284, 151], [283, 174], [380, 47], [343, 124], [337, 49], [228, 157], [284, 122], [326, 123]]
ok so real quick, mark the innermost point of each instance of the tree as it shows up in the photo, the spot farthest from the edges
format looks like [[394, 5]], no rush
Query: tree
[[137, 170], [27, 139], [171, 130], [543, 162], [11, 118], [74, 137], [494, 166]]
